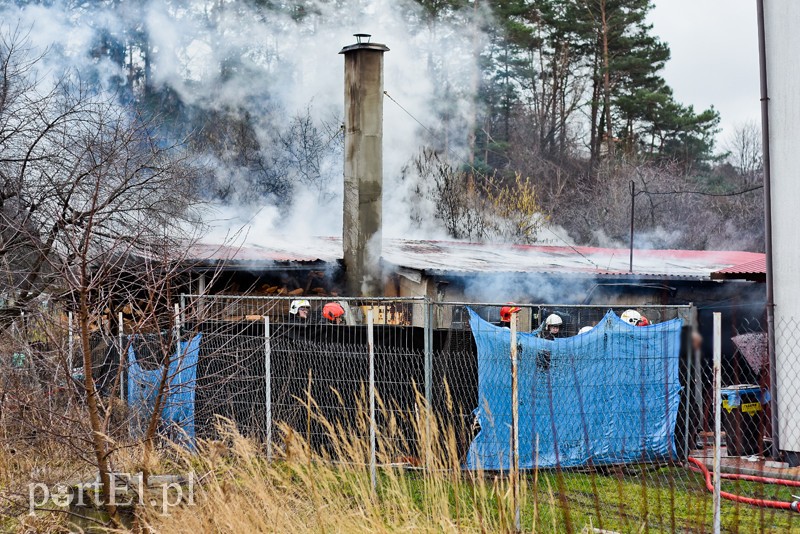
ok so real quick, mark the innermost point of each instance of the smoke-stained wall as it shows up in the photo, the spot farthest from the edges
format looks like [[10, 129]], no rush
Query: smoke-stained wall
[[363, 167]]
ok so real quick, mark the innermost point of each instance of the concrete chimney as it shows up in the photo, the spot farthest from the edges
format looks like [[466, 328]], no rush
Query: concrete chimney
[[363, 165]]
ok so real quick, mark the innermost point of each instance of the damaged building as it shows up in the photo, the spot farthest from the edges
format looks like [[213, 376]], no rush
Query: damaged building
[[364, 263]]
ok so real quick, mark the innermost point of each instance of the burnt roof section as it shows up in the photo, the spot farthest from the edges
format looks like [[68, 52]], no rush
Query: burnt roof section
[[280, 254]]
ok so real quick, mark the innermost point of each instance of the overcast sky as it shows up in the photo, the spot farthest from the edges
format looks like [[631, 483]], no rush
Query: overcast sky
[[714, 46]]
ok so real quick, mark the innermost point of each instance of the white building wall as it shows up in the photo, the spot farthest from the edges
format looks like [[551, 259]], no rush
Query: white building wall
[[782, 23]]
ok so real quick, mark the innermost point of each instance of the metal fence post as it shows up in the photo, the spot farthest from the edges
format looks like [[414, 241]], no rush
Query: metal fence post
[[515, 424], [268, 385], [183, 309], [372, 437], [689, 386], [428, 352], [122, 359], [428, 310], [178, 330], [70, 348], [717, 416]]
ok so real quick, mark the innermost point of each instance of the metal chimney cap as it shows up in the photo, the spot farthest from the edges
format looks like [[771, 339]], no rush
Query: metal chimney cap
[[363, 43]]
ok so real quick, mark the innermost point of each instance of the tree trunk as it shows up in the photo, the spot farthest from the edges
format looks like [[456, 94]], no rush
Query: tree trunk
[[99, 440], [474, 85], [507, 103], [594, 143], [606, 80]]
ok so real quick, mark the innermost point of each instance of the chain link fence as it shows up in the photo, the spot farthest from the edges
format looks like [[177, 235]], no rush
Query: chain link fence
[[270, 370], [614, 425], [456, 373]]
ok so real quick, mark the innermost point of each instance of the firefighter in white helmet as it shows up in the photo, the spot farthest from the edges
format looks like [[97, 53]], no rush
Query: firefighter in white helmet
[[549, 331], [299, 311], [632, 317], [552, 327]]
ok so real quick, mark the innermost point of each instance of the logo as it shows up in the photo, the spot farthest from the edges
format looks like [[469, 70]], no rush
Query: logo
[[125, 489]]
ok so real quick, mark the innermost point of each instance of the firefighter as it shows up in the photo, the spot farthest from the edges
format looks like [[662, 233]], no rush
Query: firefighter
[[506, 312], [552, 327], [299, 311], [585, 329], [333, 312], [631, 316], [550, 331], [634, 318]]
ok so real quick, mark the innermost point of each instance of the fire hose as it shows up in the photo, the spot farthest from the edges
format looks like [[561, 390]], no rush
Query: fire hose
[[763, 503]]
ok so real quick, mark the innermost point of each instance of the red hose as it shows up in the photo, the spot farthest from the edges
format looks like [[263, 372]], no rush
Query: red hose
[[755, 478], [780, 505]]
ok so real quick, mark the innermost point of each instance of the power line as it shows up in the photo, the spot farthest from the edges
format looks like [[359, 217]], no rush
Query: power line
[[465, 162], [408, 113], [704, 193]]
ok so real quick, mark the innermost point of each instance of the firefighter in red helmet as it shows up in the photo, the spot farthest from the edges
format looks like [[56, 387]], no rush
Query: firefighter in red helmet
[[506, 312], [333, 312]]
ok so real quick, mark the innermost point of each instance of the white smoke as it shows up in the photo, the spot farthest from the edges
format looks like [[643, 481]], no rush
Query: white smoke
[[277, 66]]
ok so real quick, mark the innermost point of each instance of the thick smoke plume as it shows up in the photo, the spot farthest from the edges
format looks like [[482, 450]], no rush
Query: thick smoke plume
[[281, 70]]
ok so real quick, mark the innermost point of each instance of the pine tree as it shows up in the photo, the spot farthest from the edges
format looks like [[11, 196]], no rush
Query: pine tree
[[631, 106]]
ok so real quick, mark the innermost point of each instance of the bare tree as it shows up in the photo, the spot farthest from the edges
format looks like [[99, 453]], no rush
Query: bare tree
[[476, 207], [311, 154], [92, 208], [744, 151]]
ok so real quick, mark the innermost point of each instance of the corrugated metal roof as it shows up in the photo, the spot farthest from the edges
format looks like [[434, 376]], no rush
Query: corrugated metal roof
[[751, 270], [455, 257], [473, 258]]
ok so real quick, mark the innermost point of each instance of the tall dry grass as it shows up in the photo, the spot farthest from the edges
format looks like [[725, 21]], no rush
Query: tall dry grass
[[306, 489]]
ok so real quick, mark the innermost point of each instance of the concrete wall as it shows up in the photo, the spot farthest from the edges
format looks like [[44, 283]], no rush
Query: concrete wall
[[783, 75]]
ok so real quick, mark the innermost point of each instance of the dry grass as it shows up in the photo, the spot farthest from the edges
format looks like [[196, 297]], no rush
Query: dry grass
[[305, 490], [308, 489]]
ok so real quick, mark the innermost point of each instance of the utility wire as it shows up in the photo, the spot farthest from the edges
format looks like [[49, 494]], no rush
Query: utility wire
[[465, 162], [704, 193], [408, 113]]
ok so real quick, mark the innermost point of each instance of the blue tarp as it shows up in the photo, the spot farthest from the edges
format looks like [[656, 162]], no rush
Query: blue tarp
[[177, 412], [607, 396]]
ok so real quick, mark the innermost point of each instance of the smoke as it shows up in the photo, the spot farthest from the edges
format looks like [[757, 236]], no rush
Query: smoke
[[278, 69], [536, 288]]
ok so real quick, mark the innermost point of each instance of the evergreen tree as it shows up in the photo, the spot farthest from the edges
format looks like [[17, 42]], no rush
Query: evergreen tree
[[630, 101]]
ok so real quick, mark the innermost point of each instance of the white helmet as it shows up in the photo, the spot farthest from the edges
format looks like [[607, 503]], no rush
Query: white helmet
[[631, 316], [553, 320], [585, 329], [297, 304]]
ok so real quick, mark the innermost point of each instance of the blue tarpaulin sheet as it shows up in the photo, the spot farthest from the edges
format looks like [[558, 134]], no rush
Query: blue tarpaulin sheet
[[607, 396], [177, 411]]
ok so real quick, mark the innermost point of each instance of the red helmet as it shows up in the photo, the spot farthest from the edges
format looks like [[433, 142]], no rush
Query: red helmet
[[643, 321], [506, 311], [332, 311]]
